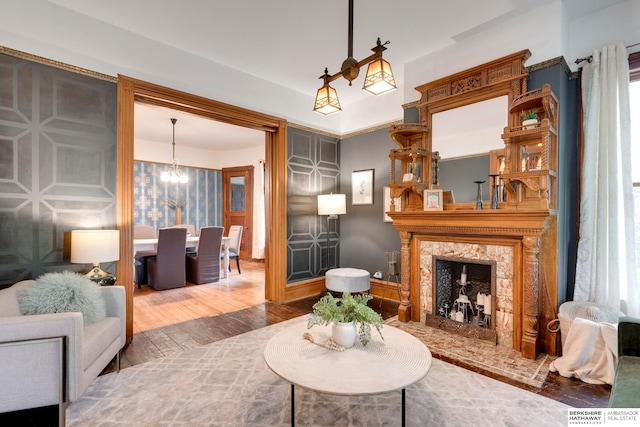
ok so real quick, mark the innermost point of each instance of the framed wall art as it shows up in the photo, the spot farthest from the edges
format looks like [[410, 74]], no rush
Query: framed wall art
[[433, 200], [362, 187]]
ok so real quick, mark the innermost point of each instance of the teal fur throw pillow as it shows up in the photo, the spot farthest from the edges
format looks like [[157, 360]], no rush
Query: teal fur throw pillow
[[64, 292]]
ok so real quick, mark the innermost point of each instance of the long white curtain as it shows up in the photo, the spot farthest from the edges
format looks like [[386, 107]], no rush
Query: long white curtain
[[606, 264], [258, 212]]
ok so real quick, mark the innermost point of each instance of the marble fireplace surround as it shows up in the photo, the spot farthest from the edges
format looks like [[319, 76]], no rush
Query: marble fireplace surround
[[469, 252], [523, 245]]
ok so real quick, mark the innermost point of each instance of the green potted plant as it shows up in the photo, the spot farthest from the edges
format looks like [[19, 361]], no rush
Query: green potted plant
[[349, 312], [529, 118]]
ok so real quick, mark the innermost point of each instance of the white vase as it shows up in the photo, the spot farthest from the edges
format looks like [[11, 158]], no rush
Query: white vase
[[529, 123], [344, 334]]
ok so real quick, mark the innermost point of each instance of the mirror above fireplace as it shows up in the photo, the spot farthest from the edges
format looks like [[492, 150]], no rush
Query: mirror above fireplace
[[489, 88], [463, 137]]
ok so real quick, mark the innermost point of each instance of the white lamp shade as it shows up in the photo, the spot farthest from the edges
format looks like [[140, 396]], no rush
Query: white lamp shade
[[91, 246], [332, 204]]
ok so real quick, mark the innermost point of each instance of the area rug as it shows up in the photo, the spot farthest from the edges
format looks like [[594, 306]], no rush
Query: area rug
[[478, 355], [227, 383]]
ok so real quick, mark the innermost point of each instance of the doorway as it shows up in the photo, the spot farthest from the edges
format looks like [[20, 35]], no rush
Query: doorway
[[130, 91], [237, 204]]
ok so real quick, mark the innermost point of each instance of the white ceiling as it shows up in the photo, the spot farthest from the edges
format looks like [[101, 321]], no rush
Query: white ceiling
[[153, 123], [290, 42]]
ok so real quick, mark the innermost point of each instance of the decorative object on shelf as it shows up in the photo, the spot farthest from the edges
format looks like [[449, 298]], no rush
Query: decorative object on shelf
[[174, 174], [407, 177], [378, 80], [479, 195], [349, 308], [96, 246], [529, 119], [447, 197], [331, 205], [433, 200], [362, 187]]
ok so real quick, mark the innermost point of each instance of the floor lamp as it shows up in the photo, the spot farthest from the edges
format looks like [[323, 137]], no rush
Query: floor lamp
[[331, 205]]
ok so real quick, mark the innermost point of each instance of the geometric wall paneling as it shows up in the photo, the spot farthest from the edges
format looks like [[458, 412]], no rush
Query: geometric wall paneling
[[57, 164], [313, 167], [201, 195]]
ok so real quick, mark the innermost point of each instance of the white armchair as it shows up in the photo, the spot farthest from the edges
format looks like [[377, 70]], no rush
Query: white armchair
[[30, 365]]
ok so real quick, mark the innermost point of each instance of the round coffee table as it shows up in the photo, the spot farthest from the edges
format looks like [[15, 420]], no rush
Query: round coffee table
[[382, 366]]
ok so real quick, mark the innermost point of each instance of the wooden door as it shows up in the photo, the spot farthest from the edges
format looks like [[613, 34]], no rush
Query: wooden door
[[237, 204]]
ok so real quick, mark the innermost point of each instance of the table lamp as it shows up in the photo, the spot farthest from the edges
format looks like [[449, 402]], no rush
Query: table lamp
[[96, 246], [331, 205]]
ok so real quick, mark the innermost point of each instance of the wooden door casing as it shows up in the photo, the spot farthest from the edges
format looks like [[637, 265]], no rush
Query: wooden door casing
[[238, 210]]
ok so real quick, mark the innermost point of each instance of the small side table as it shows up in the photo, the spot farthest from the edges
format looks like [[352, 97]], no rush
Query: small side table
[[380, 367]]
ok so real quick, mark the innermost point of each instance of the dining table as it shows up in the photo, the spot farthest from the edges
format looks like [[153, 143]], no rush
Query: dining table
[[192, 242]]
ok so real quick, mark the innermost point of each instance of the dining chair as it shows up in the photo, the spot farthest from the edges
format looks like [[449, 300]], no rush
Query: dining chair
[[191, 229], [144, 232], [141, 257], [235, 233], [167, 269], [203, 266]]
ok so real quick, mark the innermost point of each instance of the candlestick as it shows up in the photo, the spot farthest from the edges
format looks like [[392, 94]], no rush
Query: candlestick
[[479, 195]]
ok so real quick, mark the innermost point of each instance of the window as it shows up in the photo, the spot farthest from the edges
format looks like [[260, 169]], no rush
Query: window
[[634, 88]]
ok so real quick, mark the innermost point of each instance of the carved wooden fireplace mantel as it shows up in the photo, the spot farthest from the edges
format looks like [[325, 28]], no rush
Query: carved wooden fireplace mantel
[[520, 235], [530, 233]]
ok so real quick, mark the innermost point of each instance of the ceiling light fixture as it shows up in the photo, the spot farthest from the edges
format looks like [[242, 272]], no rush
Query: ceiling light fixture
[[379, 78], [174, 174]]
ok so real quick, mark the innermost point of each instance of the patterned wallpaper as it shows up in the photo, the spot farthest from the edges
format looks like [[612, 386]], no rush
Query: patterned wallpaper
[[57, 165], [313, 168], [58, 134], [202, 197]]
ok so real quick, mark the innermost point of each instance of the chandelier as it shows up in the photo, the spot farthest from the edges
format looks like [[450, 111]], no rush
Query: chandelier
[[378, 80], [174, 174]]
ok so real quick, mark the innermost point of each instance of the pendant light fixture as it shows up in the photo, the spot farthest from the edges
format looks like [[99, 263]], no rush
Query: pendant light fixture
[[378, 80], [174, 174]]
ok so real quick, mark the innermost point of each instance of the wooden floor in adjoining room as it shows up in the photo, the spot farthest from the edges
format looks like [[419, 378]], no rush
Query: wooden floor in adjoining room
[[175, 320], [155, 309]]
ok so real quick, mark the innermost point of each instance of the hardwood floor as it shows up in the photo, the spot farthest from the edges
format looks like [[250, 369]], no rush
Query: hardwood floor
[[176, 320], [154, 309]]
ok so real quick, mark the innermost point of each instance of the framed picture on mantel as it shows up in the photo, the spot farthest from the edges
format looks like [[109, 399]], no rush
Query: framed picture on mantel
[[362, 187], [433, 200]]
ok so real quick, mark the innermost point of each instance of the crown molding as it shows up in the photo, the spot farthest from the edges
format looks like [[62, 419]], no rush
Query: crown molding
[[57, 64]]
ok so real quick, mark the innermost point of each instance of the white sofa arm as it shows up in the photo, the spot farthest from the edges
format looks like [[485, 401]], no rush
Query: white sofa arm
[[69, 325], [116, 306]]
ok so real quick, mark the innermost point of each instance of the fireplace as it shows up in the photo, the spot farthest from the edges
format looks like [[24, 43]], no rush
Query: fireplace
[[463, 300], [521, 244], [489, 267]]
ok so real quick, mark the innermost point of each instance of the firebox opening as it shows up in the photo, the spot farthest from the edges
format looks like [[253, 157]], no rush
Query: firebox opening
[[464, 297]]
